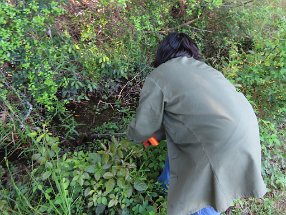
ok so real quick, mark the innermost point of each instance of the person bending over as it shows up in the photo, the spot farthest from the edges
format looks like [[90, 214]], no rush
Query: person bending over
[[211, 130]]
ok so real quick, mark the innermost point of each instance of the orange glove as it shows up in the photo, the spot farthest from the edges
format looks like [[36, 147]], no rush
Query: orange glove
[[152, 140]]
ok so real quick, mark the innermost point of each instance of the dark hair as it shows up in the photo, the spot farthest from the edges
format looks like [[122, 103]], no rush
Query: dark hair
[[176, 45]]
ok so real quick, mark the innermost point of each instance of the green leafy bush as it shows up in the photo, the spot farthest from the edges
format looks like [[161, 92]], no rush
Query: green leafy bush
[[111, 179], [26, 45], [273, 156], [40, 61], [260, 70]]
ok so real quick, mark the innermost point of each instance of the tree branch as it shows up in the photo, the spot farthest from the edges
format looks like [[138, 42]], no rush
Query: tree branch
[[179, 26]]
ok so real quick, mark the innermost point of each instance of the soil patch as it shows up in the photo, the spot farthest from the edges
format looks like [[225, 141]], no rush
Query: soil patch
[[87, 115]]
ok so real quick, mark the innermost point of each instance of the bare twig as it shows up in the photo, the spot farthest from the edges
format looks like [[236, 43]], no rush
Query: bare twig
[[187, 24], [199, 29], [237, 5], [184, 24], [22, 99], [107, 103], [176, 27], [97, 135], [26, 115], [119, 95]]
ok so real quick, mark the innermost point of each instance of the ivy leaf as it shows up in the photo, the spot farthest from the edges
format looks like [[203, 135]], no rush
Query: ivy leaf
[[140, 185], [110, 185]]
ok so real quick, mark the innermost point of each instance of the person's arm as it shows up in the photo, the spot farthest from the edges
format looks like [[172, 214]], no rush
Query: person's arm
[[149, 114], [160, 134]]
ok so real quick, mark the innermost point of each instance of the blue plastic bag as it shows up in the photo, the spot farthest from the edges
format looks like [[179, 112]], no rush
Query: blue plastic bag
[[165, 175], [164, 179]]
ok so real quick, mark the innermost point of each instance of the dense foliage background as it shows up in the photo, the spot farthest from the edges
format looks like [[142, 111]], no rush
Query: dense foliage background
[[71, 73]]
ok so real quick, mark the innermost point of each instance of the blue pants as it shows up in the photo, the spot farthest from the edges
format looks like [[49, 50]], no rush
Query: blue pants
[[164, 179]]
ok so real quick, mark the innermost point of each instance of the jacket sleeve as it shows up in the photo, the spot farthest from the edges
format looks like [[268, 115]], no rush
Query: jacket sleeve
[[160, 134], [149, 114]]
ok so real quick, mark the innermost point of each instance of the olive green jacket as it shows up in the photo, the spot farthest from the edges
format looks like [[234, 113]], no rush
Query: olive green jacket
[[212, 135]]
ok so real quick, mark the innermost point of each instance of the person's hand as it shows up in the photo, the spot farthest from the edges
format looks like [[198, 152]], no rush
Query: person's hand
[[152, 140], [146, 144]]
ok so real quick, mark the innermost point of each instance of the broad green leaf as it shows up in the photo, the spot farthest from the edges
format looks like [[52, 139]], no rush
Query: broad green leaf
[[33, 134], [109, 185], [122, 172], [120, 182], [99, 199], [90, 204], [140, 185], [90, 169], [49, 165], [129, 190], [46, 175], [108, 175], [105, 158], [50, 140], [59, 200], [87, 192], [65, 183], [107, 165], [112, 148], [49, 190], [94, 157], [120, 154], [100, 209], [86, 175], [47, 196], [97, 174], [112, 202], [39, 138], [36, 156], [112, 196], [3, 203], [104, 200], [80, 181]]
